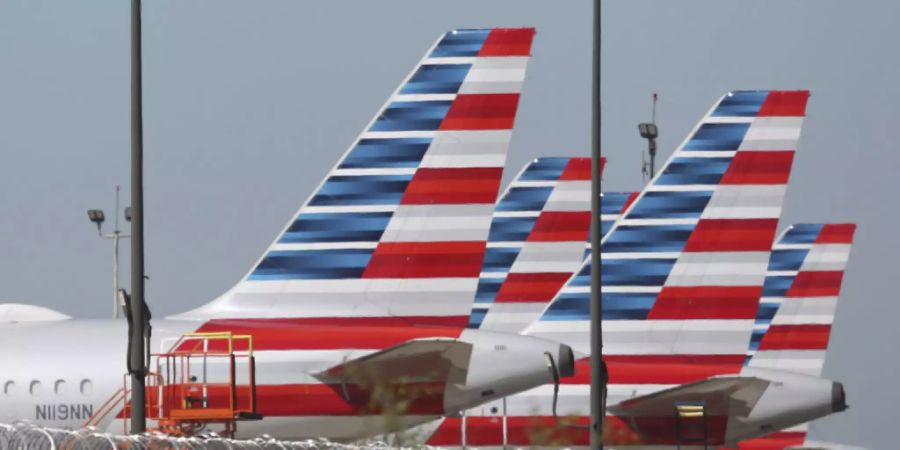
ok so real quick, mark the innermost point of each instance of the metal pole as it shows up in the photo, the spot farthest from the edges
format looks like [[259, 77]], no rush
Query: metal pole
[[116, 274], [598, 367], [116, 259], [136, 356]]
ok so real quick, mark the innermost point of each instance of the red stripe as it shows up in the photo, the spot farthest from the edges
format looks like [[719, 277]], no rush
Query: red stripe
[[560, 226], [277, 335], [796, 337], [838, 233], [579, 169], [774, 441], [299, 400], [759, 168], [426, 260], [481, 112], [706, 302], [816, 284], [784, 103], [531, 287], [527, 431], [659, 369], [508, 42], [392, 321], [453, 186], [732, 235]]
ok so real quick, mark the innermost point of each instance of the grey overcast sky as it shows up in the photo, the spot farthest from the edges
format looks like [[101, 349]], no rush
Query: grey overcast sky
[[249, 103]]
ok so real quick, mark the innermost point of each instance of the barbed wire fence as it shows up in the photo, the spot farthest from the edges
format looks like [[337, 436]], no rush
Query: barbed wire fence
[[26, 436]]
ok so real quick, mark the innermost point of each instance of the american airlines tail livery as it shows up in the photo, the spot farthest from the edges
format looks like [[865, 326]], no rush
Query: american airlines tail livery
[[361, 303], [684, 271], [403, 295]]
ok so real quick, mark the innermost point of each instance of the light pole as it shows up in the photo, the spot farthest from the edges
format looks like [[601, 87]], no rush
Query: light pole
[[599, 376], [97, 217], [650, 133]]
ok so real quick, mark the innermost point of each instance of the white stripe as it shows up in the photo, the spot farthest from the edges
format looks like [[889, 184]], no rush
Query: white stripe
[[398, 134], [681, 188], [781, 273], [493, 275], [727, 119], [450, 60], [372, 171], [422, 97], [349, 209], [516, 213], [322, 246], [708, 154], [642, 222], [505, 244], [533, 183], [641, 255]]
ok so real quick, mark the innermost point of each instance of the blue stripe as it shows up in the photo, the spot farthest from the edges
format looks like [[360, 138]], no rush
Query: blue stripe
[[634, 272], [648, 238], [671, 205], [804, 233], [687, 170], [312, 265], [337, 227], [436, 79], [718, 136], [460, 43], [545, 169], [386, 153], [787, 259], [525, 199], [576, 307], [777, 286], [766, 312], [410, 116], [499, 259], [741, 104], [511, 229], [476, 317], [487, 290], [613, 202], [361, 190]]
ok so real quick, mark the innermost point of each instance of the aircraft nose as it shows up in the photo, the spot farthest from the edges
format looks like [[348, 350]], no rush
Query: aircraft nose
[[838, 397]]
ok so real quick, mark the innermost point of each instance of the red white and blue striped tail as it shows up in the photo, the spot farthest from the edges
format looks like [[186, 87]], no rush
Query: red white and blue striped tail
[[397, 230], [537, 241], [683, 270], [800, 298]]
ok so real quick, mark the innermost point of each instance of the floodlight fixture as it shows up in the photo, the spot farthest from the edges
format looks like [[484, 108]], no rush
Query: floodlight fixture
[[128, 214], [96, 216], [648, 130]]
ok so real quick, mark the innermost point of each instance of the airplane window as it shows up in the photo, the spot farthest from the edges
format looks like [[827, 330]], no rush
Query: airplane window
[[35, 388], [9, 388], [59, 387], [86, 387]]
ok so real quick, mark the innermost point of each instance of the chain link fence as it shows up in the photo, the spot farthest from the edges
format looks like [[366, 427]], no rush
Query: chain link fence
[[30, 437]]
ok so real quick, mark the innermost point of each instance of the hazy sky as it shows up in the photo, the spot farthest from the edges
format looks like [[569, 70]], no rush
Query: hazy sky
[[249, 103]]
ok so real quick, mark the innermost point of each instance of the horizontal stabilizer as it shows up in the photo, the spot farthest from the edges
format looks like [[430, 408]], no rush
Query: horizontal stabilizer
[[732, 396], [438, 360]]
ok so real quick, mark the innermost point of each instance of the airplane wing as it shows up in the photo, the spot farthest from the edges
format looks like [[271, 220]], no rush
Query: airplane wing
[[720, 396], [434, 360]]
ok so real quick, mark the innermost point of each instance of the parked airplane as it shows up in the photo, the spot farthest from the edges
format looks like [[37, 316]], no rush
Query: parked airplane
[[705, 226], [793, 323], [358, 310]]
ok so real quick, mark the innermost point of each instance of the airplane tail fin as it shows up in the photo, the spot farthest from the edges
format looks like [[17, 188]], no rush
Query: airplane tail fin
[[397, 230], [537, 240], [800, 298], [683, 269]]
